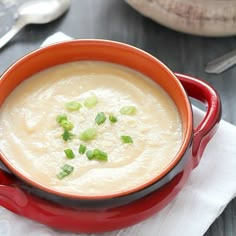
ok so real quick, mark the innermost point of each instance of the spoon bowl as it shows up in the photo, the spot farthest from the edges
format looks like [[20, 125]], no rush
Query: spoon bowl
[[36, 12], [43, 11]]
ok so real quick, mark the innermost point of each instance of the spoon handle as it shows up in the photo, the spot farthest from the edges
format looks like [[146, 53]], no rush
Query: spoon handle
[[222, 63], [19, 24]]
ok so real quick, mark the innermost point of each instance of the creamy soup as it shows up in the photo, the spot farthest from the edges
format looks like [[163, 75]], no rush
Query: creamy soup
[[101, 103]]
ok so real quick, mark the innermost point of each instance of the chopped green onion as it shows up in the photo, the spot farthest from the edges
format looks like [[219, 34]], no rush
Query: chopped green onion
[[126, 139], [100, 118], [67, 135], [62, 175], [73, 106], [90, 101], [69, 153], [60, 118], [99, 155], [66, 170], [90, 154], [128, 110], [67, 125], [82, 149], [96, 154], [88, 134], [113, 119]]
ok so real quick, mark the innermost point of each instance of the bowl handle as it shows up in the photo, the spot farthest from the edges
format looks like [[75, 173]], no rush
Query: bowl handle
[[11, 196], [203, 92]]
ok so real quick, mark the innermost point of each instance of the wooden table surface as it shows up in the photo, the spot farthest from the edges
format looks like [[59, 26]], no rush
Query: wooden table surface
[[115, 20]]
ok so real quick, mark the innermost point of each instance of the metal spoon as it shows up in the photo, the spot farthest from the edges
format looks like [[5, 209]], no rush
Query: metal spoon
[[222, 63], [36, 12]]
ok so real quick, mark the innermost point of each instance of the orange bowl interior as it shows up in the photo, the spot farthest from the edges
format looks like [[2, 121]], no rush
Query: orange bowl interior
[[102, 50]]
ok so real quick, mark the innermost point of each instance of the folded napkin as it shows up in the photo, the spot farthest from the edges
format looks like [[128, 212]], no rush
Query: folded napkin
[[209, 189]]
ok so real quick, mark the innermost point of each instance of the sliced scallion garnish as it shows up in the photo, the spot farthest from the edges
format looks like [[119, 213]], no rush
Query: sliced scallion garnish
[[100, 118], [90, 154], [90, 101], [67, 125], [99, 155], [62, 175], [128, 110], [96, 154], [88, 134], [67, 135], [82, 149], [73, 106], [126, 139], [60, 118], [69, 153], [113, 119], [66, 170]]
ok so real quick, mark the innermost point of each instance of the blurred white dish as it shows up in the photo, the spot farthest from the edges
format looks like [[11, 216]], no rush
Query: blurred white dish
[[203, 17]]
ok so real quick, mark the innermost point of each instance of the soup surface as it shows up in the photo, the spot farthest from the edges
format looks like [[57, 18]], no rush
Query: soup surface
[[39, 143]]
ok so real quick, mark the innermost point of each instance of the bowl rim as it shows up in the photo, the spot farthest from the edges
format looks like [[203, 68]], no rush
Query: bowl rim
[[187, 137]]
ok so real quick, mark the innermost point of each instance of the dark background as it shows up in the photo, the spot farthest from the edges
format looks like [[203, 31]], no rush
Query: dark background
[[115, 20]]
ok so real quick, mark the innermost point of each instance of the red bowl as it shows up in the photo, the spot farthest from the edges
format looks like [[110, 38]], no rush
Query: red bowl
[[130, 206]]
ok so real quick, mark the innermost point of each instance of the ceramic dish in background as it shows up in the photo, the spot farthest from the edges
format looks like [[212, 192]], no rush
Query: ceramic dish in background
[[19, 193], [206, 18]]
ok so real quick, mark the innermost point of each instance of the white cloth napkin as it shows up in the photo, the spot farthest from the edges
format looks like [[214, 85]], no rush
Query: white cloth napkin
[[209, 189]]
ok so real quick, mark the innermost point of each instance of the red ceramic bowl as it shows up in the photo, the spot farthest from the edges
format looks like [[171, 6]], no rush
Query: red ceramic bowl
[[24, 196]]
